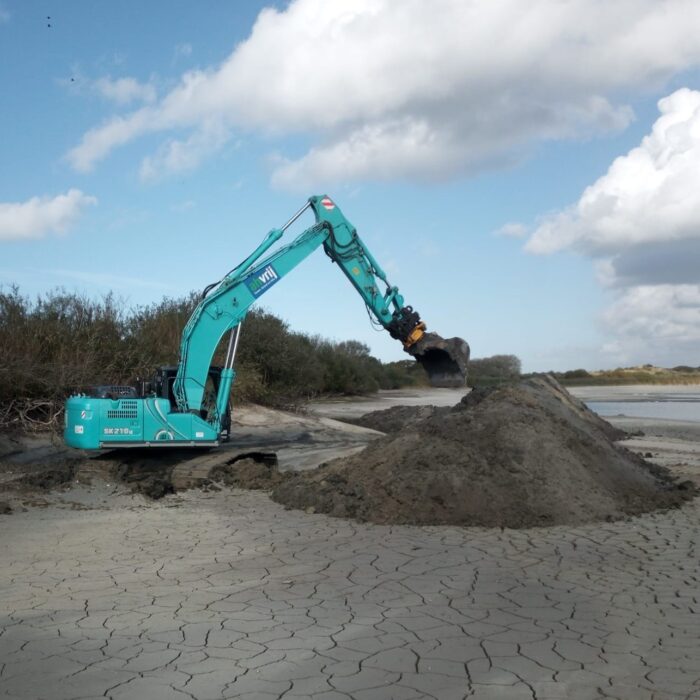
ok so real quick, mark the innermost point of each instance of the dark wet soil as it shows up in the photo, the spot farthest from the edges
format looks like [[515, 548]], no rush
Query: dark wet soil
[[395, 418], [252, 472], [518, 456]]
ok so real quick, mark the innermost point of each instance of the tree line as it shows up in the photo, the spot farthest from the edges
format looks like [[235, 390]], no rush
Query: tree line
[[61, 343]]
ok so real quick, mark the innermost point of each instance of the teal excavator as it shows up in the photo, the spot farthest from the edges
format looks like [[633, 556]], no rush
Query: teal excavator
[[188, 405]]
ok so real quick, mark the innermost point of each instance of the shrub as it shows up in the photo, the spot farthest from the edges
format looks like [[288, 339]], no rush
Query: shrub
[[576, 374], [490, 371]]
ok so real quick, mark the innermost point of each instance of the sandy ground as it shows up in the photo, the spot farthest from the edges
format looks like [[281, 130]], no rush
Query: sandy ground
[[222, 594]]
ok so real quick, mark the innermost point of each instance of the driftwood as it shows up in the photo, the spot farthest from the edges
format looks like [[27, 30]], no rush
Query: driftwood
[[32, 415]]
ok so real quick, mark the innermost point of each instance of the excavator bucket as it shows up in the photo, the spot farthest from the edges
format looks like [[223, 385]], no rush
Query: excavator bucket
[[444, 360]]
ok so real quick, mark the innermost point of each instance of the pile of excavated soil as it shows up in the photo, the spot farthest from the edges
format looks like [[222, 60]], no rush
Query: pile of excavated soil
[[389, 420], [517, 456], [147, 471], [152, 473]]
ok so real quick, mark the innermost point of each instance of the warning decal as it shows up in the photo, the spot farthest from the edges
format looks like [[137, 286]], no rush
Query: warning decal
[[328, 203]]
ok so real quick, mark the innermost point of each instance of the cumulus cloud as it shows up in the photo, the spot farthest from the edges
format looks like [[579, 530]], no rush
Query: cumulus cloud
[[124, 91], [389, 89], [674, 262], [40, 216], [641, 223], [657, 323], [177, 156], [512, 230], [650, 195], [98, 142]]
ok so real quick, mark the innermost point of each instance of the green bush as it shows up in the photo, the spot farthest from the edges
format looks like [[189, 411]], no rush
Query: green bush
[[494, 370], [576, 374]]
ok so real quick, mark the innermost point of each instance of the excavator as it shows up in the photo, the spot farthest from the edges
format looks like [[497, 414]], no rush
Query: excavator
[[189, 405]]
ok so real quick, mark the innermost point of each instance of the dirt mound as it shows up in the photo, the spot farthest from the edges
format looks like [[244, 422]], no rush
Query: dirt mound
[[389, 420], [149, 472], [146, 471], [518, 456], [152, 473], [248, 473]]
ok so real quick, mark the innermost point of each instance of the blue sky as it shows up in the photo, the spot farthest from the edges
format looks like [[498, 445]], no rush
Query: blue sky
[[164, 139]]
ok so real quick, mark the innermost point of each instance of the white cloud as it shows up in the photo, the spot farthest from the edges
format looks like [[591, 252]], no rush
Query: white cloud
[[665, 312], [651, 194], [512, 230], [124, 91], [641, 224], [390, 89], [657, 323], [98, 142], [40, 216], [179, 156]]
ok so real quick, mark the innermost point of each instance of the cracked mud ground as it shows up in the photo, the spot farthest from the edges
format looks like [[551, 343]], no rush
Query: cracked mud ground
[[227, 595]]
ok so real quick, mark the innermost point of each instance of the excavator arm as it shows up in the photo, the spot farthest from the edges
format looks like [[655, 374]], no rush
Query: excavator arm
[[226, 303], [444, 360]]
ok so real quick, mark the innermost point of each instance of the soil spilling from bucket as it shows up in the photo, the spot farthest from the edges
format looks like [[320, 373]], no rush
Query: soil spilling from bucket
[[518, 456]]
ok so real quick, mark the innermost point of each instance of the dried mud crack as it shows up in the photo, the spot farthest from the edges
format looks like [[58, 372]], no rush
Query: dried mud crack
[[221, 593]]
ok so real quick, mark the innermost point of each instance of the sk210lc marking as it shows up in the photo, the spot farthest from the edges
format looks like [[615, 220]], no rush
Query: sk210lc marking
[[188, 404]]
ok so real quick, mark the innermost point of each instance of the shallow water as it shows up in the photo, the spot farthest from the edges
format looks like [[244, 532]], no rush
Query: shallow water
[[682, 408]]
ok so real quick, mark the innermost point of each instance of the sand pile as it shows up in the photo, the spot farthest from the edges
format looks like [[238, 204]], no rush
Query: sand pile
[[518, 456]]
